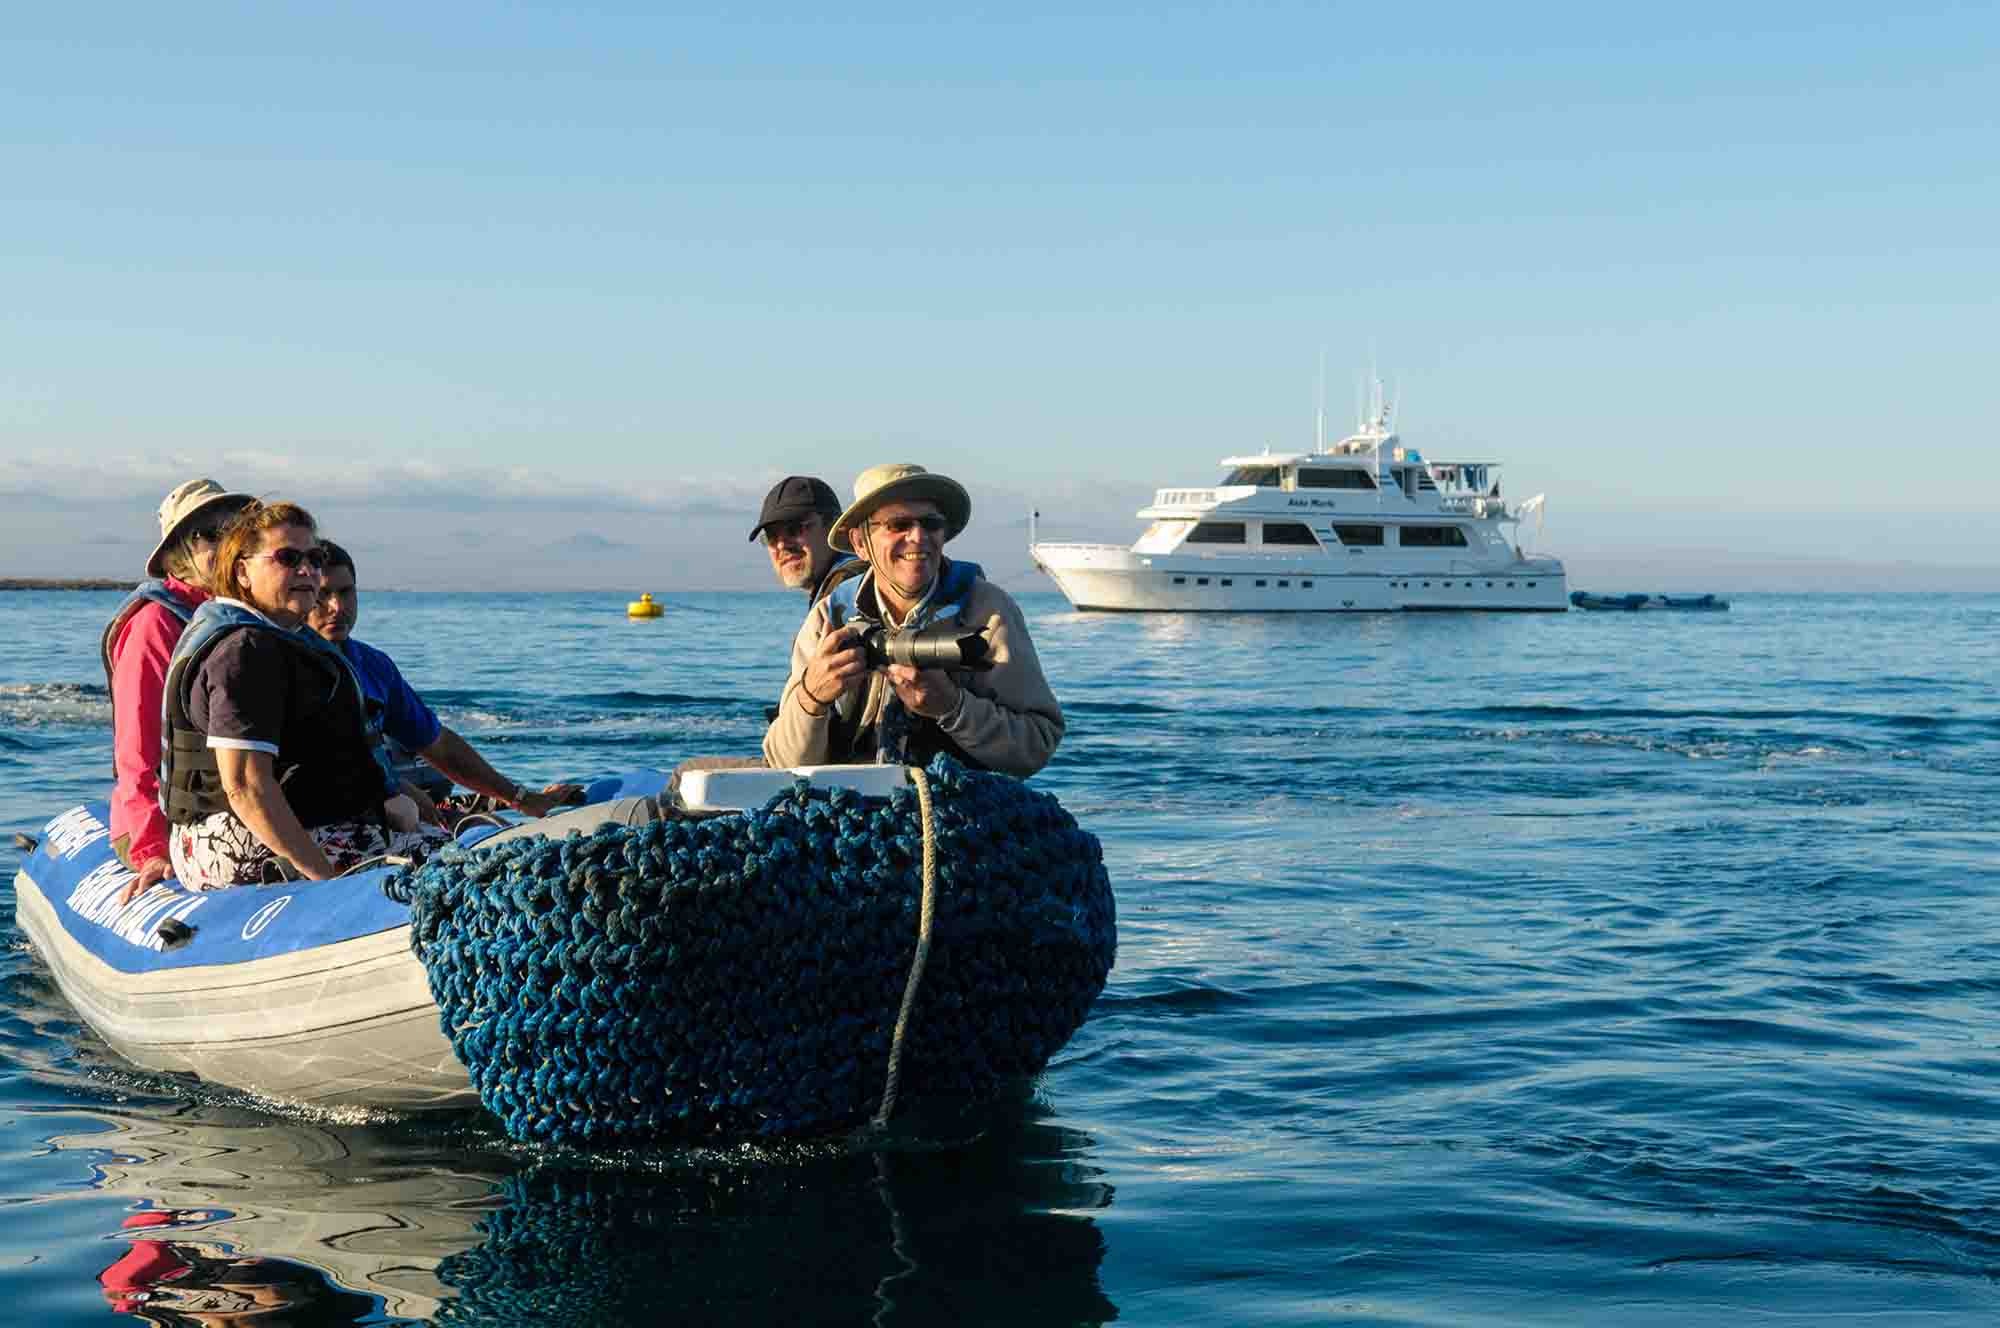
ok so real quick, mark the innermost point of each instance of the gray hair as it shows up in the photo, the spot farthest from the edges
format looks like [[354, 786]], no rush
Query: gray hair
[[178, 558]]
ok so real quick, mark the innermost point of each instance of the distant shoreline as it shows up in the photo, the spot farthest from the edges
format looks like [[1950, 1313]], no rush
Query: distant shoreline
[[64, 583]]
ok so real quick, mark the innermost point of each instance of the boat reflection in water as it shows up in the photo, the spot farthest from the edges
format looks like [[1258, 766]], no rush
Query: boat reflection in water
[[239, 1213], [238, 1217], [988, 1233], [173, 1279]]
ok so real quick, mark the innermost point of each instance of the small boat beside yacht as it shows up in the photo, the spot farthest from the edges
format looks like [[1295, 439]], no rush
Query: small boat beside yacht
[[1365, 525], [1584, 599]]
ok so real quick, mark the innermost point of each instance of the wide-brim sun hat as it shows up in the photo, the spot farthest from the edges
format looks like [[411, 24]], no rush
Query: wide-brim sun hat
[[181, 505], [901, 481]]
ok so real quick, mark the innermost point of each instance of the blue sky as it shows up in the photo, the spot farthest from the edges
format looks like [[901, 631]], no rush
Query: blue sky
[[473, 281]]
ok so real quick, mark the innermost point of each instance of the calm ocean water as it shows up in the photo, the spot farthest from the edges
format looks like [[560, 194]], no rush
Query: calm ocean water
[[1613, 968]]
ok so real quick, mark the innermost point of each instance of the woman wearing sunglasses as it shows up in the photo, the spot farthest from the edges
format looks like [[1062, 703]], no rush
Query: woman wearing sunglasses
[[135, 647], [269, 766]]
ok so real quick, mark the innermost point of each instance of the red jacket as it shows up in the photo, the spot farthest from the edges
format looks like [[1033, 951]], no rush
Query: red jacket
[[139, 658]]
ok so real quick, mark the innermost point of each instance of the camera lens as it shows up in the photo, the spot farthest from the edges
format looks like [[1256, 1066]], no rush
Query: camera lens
[[944, 646]]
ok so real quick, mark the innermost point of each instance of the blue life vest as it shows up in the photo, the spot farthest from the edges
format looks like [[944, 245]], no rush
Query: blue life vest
[[831, 575], [153, 591], [190, 781], [910, 738], [946, 599]]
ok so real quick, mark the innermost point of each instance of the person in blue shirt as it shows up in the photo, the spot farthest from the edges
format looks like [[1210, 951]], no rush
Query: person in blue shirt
[[429, 756]]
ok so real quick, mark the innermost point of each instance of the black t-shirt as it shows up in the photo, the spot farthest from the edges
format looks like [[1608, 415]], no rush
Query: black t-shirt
[[257, 692]]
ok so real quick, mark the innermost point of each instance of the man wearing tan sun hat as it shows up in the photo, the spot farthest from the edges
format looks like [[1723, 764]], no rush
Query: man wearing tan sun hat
[[135, 647], [837, 709]]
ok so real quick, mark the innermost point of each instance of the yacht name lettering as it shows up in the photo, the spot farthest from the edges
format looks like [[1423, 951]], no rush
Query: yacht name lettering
[[136, 923], [1310, 502], [95, 899], [147, 932], [98, 885], [71, 833]]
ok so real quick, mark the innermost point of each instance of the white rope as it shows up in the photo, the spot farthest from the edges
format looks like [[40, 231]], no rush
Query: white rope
[[892, 1081]]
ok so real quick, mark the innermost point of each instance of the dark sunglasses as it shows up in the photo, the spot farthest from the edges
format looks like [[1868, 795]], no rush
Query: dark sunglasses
[[289, 558], [903, 525], [778, 530]]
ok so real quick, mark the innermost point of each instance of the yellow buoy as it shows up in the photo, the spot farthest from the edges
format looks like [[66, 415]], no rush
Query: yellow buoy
[[644, 607]]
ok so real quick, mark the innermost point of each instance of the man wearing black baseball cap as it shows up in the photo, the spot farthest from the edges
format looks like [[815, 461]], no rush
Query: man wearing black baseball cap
[[793, 524]]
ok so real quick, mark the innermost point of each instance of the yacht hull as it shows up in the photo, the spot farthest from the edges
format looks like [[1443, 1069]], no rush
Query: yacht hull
[[1110, 578]]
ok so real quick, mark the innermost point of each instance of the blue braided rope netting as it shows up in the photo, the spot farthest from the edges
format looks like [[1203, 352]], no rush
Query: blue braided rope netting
[[740, 976]]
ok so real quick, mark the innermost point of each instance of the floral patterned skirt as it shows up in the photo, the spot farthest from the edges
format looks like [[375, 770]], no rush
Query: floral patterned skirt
[[219, 850]]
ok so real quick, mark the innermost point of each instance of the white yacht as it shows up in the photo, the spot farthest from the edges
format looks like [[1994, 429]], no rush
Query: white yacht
[[1366, 525]]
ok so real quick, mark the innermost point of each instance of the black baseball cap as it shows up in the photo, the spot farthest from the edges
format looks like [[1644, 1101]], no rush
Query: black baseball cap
[[795, 497]]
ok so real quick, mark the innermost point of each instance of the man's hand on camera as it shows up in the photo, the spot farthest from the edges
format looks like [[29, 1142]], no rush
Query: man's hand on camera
[[836, 665], [927, 692]]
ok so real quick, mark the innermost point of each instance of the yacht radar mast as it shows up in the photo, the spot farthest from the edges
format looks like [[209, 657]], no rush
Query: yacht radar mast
[[1319, 405], [1374, 416]]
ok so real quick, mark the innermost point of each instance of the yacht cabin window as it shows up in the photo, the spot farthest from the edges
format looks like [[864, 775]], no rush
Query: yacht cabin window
[[1165, 529], [1433, 537], [1218, 532], [1264, 477], [1359, 534], [1342, 477], [1289, 532]]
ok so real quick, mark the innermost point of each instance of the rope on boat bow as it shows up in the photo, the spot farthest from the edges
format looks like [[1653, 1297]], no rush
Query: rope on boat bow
[[892, 1081], [765, 974]]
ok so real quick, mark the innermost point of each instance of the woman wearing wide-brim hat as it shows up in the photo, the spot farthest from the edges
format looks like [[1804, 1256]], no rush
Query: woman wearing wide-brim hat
[[837, 708], [135, 647]]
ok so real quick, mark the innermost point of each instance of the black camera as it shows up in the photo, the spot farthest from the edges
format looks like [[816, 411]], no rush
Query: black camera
[[941, 646]]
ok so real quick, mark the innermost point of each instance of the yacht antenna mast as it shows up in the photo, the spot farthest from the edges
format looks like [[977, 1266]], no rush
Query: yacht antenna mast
[[1319, 406], [1375, 381]]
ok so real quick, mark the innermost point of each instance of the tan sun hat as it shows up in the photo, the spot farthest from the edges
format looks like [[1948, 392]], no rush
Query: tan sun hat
[[180, 506], [900, 481]]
